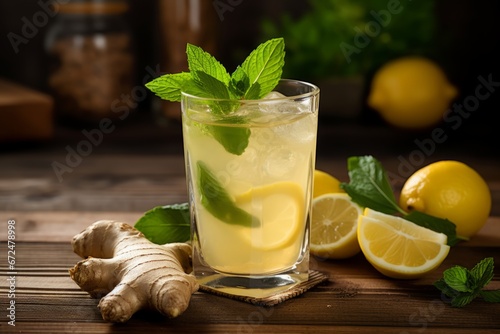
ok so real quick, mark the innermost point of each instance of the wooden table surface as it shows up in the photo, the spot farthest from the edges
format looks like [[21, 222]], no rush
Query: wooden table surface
[[138, 167]]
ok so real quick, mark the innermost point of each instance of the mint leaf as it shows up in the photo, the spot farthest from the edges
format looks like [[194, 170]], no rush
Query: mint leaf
[[369, 185], [264, 67], [436, 224], [254, 92], [218, 202], [462, 299], [463, 285], [165, 224], [207, 86], [234, 139], [169, 86], [446, 289], [200, 61], [194, 88], [216, 89], [458, 299], [239, 83], [210, 86], [482, 272], [492, 296], [457, 278]]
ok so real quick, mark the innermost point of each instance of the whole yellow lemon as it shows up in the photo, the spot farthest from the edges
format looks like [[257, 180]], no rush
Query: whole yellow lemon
[[450, 190], [411, 92], [325, 183]]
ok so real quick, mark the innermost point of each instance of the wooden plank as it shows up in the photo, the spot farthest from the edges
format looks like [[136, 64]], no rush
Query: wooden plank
[[57, 226], [97, 183], [249, 326], [354, 295], [313, 308]]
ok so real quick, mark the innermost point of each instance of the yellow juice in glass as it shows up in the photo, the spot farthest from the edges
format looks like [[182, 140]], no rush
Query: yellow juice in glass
[[269, 181]]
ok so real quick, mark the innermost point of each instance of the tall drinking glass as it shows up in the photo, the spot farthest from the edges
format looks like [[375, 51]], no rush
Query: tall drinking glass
[[249, 166]]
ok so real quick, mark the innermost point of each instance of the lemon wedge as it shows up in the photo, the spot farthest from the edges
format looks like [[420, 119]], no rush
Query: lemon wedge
[[399, 248]]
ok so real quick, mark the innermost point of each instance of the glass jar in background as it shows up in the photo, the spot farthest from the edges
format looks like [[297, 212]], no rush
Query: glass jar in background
[[92, 62], [182, 22]]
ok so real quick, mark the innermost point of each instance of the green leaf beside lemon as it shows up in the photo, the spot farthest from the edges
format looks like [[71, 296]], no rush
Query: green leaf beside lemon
[[369, 187]]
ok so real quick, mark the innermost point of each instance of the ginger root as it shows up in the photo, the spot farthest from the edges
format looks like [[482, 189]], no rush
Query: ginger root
[[130, 273]]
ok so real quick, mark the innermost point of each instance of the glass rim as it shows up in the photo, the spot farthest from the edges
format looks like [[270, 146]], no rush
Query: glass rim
[[314, 91]]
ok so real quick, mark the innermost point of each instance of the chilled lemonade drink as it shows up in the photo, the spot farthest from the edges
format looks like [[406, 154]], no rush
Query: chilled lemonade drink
[[249, 144], [251, 209]]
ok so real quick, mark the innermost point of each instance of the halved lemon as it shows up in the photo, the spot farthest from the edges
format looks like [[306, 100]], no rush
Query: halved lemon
[[280, 207], [334, 226], [325, 183], [399, 248]]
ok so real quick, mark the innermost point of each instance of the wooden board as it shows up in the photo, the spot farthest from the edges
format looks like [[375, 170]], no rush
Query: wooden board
[[355, 296], [136, 169]]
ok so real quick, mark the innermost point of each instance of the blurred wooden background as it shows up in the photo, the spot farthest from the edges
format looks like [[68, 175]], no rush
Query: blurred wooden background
[[133, 163], [469, 28]]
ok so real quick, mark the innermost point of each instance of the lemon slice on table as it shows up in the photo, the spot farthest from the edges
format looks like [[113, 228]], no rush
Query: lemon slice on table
[[399, 248], [334, 226], [282, 214]]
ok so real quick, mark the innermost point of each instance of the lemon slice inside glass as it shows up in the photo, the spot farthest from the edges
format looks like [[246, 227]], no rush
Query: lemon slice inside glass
[[281, 209], [399, 248], [334, 226]]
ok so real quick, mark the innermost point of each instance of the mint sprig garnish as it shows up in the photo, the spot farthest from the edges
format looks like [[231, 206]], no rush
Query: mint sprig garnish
[[462, 286], [207, 77], [369, 187]]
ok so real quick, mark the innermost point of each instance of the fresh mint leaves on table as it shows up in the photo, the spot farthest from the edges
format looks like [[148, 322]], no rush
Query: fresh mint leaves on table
[[369, 187], [208, 78], [166, 224], [462, 286]]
